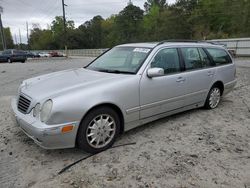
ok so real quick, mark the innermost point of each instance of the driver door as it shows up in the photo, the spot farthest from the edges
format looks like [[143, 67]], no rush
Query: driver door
[[165, 93]]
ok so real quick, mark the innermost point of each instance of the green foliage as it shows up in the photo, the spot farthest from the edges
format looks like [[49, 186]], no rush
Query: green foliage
[[185, 19], [151, 23], [128, 24], [151, 3], [8, 39], [42, 39]]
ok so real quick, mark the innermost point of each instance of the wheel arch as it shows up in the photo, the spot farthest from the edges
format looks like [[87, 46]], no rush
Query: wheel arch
[[114, 107], [220, 85]]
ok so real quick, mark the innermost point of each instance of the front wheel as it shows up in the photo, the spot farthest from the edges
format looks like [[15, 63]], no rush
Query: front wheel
[[9, 60], [98, 130], [213, 98]]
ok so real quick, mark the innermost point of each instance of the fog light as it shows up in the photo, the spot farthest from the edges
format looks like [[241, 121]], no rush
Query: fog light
[[67, 128]]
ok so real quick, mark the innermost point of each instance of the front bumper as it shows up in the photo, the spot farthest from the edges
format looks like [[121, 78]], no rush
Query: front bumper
[[46, 136]]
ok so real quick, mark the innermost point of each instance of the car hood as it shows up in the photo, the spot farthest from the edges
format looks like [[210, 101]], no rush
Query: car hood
[[54, 84]]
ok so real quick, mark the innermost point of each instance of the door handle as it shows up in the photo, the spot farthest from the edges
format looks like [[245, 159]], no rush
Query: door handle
[[210, 73], [180, 79]]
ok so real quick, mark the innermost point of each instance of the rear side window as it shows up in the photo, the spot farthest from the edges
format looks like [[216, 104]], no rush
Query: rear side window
[[220, 56], [192, 58], [204, 58]]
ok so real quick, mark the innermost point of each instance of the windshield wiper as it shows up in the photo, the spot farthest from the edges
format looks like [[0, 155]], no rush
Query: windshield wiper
[[115, 71]]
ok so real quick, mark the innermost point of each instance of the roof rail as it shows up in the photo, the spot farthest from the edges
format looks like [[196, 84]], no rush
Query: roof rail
[[187, 40], [178, 40]]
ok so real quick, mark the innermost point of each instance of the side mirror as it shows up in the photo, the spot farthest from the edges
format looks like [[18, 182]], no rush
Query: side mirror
[[155, 72]]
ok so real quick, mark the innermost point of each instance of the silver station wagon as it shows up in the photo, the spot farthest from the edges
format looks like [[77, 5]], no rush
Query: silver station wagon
[[129, 85]]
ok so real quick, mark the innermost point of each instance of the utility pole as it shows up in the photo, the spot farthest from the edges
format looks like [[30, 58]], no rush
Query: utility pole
[[20, 39], [16, 40], [27, 27], [65, 32], [2, 30]]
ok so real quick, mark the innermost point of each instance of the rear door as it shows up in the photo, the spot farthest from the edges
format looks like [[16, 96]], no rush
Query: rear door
[[199, 74]]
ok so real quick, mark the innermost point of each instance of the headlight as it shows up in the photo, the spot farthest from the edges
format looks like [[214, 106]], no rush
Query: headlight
[[45, 111], [20, 87], [36, 110]]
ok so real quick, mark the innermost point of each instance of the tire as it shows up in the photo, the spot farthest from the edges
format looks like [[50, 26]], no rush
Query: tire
[[91, 127], [213, 98], [9, 60], [23, 61]]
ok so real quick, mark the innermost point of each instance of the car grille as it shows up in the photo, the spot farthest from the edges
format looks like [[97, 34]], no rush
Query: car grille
[[23, 104]]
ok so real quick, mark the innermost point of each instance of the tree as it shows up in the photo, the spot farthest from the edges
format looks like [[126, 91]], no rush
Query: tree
[[151, 23], [57, 28], [8, 38], [128, 24], [42, 39], [92, 32], [110, 38], [151, 3], [184, 19]]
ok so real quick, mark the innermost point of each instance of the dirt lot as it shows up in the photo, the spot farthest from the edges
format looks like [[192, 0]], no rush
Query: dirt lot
[[198, 148]]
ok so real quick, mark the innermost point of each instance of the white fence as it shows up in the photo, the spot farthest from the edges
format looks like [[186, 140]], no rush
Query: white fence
[[241, 46], [79, 52]]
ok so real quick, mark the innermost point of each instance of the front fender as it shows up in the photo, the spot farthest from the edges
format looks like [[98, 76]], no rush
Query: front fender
[[72, 106]]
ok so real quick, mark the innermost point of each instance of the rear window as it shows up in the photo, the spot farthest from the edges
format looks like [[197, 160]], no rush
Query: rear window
[[220, 56], [6, 52]]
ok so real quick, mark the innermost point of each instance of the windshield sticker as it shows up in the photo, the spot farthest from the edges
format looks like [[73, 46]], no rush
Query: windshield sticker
[[142, 50]]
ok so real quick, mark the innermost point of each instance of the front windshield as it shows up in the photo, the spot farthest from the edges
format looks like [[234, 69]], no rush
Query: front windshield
[[120, 60]]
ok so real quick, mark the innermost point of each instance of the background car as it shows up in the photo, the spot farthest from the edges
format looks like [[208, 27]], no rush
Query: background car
[[55, 54], [44, 54], [32, 54], [12, 55]]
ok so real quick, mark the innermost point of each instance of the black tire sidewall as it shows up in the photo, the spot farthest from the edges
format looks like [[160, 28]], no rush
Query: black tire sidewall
[[207, 105], [81, 139]]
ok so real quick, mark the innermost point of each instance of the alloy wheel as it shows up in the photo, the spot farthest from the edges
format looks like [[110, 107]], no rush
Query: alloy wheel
[[214, 97], [101, 131]]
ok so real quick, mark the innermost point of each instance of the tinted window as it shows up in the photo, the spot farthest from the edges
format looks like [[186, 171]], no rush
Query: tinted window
[[168, 60], [219, 56], [204, 58], [7, 52], [192, 58]]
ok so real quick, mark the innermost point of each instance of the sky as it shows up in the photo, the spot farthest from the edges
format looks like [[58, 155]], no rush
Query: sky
[[17, 12]]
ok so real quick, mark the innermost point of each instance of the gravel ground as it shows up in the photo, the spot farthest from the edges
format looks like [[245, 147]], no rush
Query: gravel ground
[[198, 148]]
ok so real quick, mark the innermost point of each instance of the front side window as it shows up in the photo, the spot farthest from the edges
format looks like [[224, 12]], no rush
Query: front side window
[[220, 56], [168, 60], [120, 60], [192, 58]]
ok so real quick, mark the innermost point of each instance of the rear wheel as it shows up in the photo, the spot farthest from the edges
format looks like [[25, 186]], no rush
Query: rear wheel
[[213, 98], [98, 130]]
